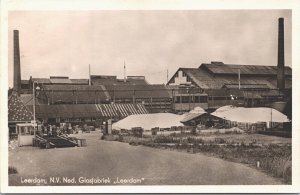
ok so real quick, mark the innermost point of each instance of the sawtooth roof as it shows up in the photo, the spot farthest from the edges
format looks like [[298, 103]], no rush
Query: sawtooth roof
[[89, 110]]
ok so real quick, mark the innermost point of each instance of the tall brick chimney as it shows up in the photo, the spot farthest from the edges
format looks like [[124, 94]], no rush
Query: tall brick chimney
[[280, 57], [17, 66]]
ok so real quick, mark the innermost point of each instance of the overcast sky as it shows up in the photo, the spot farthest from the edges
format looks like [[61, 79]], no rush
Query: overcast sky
[[64, 43]]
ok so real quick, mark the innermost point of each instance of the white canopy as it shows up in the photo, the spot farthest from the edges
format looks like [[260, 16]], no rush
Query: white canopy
[[250, 115], [148, 121]]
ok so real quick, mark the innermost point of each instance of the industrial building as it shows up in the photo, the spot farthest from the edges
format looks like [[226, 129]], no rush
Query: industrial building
[[249, 85], [227, 84], [99, 97]]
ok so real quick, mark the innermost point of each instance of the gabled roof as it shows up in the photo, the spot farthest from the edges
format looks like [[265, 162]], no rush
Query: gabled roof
[[216, 75], [17, 111]]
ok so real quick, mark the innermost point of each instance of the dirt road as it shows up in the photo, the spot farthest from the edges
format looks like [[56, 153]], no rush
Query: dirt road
[[119, 164]]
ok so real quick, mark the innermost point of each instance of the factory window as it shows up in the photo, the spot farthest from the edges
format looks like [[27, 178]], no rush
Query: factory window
[[185, 99], [203, 99], [220, 98], [197, 99], [177, 99], [51, 120], [188, 79]]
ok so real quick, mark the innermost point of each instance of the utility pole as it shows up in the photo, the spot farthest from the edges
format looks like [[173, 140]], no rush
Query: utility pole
[[271, 118], [89, 74], [124, 72], [167, 75], [239, 78]]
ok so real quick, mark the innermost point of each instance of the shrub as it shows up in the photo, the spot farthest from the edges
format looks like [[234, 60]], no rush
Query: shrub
[[102, 137], [115, 132], [120, 138], [12, 170], [287, 171]]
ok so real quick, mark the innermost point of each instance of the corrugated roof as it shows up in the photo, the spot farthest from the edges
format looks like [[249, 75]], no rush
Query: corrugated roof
[[207, 80], [24, 81], [42, 80], [73, 87], [138, 91], [60, 81], [89, 110], [79, 81], [244, 69], [137, 81], [75, 93]]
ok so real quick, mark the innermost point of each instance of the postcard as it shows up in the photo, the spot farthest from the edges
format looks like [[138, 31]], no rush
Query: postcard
[[144, 96]]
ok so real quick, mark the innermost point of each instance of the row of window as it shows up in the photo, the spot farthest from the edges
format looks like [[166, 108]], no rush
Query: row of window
[[191, 99], [225, 98]]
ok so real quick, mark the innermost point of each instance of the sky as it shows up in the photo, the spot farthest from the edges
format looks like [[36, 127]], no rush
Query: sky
[[64, 43]]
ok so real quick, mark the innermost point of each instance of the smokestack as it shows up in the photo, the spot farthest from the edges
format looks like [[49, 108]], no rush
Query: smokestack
[[280, 57], [17, 66]]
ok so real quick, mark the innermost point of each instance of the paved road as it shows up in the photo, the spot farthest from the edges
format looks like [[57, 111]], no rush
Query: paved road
[[116, 161]]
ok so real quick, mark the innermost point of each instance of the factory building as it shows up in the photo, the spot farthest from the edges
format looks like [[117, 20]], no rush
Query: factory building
[[113, 80], [247, 85], [209, 86]]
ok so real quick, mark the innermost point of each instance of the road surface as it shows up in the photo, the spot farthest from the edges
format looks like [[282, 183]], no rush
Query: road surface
[[123, 164]]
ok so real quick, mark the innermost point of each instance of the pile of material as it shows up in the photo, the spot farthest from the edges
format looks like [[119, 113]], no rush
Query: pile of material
[[250, 115], [148, 121]]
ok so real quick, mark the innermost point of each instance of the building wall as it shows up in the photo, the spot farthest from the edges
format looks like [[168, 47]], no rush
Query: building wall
[[180, 78], [188, 106]]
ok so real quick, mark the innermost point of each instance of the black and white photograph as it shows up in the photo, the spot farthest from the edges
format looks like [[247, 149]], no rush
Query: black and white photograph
[[161, 97]]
